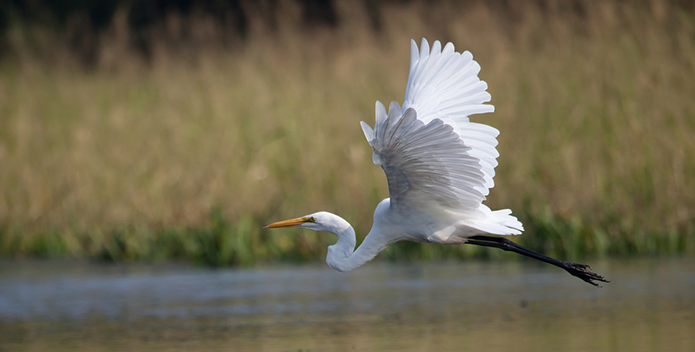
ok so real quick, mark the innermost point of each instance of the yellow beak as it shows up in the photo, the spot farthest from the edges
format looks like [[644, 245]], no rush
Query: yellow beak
[[288, 223]]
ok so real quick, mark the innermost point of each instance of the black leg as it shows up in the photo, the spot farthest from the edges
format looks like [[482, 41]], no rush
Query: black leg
[[579, 270]]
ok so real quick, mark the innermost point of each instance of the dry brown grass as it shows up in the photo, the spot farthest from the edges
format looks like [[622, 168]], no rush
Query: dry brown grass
[[596, 112]]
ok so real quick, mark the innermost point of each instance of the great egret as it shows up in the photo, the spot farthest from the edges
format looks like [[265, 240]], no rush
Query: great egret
[[439, 167]]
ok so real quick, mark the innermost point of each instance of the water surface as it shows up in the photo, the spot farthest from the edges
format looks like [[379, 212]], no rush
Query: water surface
[[457, 306]]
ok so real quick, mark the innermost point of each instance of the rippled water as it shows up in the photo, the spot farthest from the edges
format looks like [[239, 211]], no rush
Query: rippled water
[[462, 306]]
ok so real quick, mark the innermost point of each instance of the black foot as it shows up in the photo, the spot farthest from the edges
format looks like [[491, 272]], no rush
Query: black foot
[[583, 272]]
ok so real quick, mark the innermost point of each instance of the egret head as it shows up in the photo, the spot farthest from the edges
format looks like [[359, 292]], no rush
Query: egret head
[[320, 221]]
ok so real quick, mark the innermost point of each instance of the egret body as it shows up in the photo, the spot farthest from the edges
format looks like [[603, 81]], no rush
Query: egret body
[[439, 166]]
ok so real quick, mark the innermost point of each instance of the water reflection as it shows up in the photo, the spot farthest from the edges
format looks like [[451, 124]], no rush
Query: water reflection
[[649, 306]]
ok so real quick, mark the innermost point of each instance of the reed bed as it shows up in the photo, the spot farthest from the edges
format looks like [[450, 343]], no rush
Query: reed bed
[[187, 153]]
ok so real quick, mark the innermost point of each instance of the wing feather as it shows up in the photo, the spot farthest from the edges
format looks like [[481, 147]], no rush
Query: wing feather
[[444, 84], [433, 156]]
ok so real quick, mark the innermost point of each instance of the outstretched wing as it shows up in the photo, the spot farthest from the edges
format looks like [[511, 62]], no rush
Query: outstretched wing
[[433, 156]]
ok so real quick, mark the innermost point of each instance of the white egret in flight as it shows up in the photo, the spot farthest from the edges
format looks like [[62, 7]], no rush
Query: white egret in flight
[[439, 167]]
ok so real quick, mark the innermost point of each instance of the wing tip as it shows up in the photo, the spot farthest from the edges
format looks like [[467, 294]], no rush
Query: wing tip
[[368, 132]]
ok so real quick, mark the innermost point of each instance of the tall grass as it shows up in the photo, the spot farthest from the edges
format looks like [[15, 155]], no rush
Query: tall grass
[[189, 154]]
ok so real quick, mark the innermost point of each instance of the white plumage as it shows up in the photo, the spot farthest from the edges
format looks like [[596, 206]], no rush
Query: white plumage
[[439, 166]]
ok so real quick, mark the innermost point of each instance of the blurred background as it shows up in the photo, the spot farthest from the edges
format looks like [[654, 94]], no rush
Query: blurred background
[[176, 129], [154, 134]]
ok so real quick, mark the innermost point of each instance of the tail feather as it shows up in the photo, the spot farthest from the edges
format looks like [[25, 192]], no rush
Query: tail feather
[[498, 222], [505, 218]]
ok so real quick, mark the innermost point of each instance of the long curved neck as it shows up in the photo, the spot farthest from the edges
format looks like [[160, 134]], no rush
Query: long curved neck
[[342, 256]]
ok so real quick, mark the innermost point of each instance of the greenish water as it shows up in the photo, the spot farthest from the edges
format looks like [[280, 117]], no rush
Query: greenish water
[[462, 306]]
